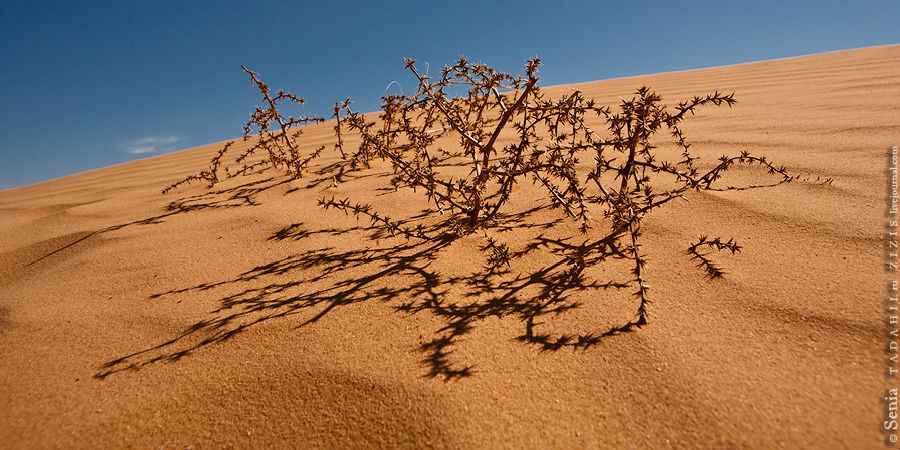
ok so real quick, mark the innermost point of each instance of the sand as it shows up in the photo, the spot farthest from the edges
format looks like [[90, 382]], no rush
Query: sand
[[241, 316]]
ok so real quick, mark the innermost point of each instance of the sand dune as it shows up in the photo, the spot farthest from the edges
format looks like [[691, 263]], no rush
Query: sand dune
[[244, 315]]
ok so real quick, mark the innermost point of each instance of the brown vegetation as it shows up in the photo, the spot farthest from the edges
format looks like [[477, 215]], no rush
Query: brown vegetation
[[467, 153]]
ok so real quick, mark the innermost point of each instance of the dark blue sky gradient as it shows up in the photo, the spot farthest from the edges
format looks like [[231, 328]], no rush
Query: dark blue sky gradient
[[85, 85]]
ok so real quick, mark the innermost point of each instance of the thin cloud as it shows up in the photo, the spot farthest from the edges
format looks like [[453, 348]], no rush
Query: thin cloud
[[150, 144]]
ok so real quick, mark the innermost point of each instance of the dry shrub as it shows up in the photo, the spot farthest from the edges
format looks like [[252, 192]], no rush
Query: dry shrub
[[468, 139], [543, 141], [274, 136]]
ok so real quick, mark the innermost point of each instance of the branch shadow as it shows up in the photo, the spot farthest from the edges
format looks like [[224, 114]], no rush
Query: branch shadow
[[402, 273]]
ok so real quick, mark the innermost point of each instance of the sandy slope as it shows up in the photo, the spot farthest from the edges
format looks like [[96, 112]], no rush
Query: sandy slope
[[787, 350]]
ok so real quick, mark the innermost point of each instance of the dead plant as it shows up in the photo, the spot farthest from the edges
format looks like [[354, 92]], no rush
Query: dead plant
[[467, 140], [274, 135], [506, 131]]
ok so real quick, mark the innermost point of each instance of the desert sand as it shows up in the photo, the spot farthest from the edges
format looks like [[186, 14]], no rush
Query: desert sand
[[242, 316]]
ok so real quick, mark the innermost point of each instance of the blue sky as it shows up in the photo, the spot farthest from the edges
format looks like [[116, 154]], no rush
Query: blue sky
[[85, 85]]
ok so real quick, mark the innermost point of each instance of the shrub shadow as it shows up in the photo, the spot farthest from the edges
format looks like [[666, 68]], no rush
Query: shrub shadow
[[402, 272]]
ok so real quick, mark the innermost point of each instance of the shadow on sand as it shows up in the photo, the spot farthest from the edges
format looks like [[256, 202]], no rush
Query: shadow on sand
[[404, 273]]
